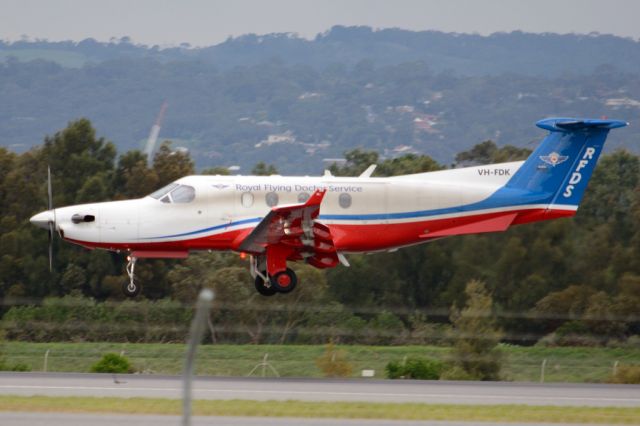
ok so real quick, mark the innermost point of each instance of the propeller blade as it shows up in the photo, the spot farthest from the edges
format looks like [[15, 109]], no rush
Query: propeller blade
[[49, 187], [52, 224], [50, 246]]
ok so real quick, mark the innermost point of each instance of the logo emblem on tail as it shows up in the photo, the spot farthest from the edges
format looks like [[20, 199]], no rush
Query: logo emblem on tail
[[554, 158]]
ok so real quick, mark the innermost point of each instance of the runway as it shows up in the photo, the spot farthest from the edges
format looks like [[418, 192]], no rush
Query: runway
[[220, 388], [66, 419]]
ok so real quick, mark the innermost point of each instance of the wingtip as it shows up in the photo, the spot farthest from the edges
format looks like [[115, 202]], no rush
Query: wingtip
[[317, 196]]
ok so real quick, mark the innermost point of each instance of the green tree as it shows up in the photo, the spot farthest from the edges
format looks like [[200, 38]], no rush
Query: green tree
[[93, 190], [357, 162], [263, 169], [305, 302], [557, 307], [217, 170], [112, 363], [133, 178], [407, 164], [488, 152], [170, 165], [477, 334], [73, 280], [75, 155]]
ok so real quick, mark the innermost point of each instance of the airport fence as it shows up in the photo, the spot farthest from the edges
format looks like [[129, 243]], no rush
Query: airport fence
[[72, 333], [530, 364]]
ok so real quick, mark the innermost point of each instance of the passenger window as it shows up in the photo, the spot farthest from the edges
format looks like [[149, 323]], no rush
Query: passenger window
[[183, 194], [344, 200], [271, 199], [303, 197], [246, 199]]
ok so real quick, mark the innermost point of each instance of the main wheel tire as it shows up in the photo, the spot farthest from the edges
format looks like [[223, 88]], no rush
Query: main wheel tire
[[284, 281], [262, 287], [131, 289]]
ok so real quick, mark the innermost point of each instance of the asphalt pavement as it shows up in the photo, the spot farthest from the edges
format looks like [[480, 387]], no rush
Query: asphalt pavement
[[67, 419], [220, 388]]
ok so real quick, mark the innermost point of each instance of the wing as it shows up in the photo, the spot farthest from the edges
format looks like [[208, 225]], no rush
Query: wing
[[293, 229]]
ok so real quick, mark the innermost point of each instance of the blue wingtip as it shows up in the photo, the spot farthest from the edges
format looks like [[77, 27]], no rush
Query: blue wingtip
[[570, 124]]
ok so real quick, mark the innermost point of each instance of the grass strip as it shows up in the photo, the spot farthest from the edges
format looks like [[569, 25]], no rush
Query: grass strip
[[345, 410], [566, 364]]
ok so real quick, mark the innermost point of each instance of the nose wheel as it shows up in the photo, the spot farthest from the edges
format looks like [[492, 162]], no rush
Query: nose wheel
[[130, 288]]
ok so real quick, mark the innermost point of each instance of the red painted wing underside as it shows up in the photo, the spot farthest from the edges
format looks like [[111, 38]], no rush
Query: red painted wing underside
[[291, 233]]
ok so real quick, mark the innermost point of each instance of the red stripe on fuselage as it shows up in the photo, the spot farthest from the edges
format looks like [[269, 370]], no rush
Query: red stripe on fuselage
[[384, 236], [346, 237]]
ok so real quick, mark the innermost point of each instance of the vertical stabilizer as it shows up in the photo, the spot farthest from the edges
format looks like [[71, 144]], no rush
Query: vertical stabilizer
[[560, 168]]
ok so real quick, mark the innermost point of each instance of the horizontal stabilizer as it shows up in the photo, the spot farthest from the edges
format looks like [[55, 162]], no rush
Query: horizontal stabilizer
[[494, 224], [572, 124]]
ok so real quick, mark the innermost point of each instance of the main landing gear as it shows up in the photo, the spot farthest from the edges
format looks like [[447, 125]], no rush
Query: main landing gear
[[268, 285], [282, 282], [131, 289]]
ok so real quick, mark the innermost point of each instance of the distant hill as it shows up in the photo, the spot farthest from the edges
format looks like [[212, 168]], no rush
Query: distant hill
[[465, 54], [294, 102]]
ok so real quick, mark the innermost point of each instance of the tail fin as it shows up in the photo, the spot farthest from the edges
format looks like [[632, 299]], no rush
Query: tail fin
[[560, 168]]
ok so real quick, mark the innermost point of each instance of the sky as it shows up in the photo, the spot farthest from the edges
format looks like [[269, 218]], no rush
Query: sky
[[204, 23]]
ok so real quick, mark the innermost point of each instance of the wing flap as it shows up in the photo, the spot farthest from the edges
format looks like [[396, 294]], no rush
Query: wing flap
[[291, 225]]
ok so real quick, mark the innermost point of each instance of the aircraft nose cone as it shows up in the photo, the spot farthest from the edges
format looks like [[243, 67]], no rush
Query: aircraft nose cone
[[42, 219]]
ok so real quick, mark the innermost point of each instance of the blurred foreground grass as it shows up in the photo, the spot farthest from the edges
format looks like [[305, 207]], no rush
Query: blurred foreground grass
[[346, 410], [521, 363]]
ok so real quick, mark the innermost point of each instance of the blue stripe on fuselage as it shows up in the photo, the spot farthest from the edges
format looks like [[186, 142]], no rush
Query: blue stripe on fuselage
[[501, 198], [504, 197], [212, 228]]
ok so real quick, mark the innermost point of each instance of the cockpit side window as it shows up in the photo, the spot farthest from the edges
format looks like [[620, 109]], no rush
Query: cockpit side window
[[163, 191], [175, 193], [183, 194]]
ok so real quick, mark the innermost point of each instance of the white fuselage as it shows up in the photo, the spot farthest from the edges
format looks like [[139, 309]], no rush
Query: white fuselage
[[225, 205]]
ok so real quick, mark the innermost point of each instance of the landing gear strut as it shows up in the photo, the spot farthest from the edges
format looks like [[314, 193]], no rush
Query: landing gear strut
[[267, 285], [131, 289]]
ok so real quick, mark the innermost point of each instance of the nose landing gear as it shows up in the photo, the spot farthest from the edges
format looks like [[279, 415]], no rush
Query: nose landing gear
[[131, 289]]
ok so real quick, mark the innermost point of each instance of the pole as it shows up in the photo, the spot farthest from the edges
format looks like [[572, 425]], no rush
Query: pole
[[195, 336], [544, 364], [264, 365], [46, 360]]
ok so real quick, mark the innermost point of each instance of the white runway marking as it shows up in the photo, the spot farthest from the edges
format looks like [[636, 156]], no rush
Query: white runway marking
[[319, 393], [219, 388]]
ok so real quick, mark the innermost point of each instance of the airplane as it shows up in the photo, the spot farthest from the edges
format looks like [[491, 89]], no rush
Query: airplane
[[319, 220]]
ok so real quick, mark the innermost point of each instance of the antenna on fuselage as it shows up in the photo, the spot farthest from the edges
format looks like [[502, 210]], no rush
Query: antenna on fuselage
[[367, 173]]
